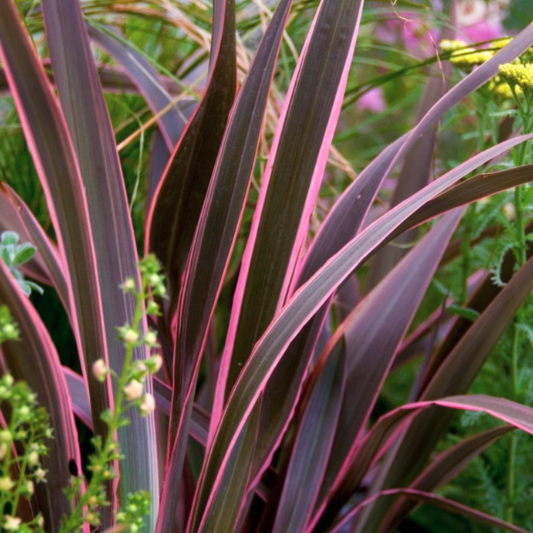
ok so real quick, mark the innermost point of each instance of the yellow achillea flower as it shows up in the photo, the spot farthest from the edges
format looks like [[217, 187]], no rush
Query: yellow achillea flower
[[447, 45], [500, 43], [502, 90], [470, 57], [518, 76]]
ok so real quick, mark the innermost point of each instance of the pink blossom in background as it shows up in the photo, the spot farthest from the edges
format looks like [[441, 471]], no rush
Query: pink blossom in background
[[372, 101], [479, 21], [407, 28], [482, 31]]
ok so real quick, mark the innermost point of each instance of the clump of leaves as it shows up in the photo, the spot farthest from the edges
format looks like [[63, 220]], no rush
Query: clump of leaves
[[14, 256], [24, 432], [87, 500]]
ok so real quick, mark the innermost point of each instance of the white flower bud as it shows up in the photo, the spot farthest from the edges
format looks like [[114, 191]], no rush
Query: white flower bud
[[509, 210], [23, 411], [91, 519], [128, 285], [131, 336], [6, 483], [9, 330], [154, 279], [150, 339], [156, 362], [141, 367], [33, 458], [100, 370], [5, 436], [133, 390], [29, 488], [11, 523], [147, 405]]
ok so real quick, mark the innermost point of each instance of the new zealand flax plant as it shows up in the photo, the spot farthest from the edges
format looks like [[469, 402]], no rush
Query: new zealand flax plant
[[277, 431]]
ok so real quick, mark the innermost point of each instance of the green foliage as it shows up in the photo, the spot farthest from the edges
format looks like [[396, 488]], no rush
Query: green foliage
[[130, 394], [16, 255], [24, 431]]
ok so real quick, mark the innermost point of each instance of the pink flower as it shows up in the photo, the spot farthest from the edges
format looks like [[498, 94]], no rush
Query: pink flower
[[406, 28], [372, 101], [482, 31], [479, 21]]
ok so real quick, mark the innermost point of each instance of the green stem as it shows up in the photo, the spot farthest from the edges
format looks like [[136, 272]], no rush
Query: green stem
[[466, 251], [521, 257], [7, 461], [520, 228], [75, 521], [22, 475], [511, 483]]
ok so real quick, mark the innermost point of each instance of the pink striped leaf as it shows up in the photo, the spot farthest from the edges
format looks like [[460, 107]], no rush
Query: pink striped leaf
[[415, 173], [34, 359], [227, 505], [454, 376], [389, 427], [472, 190], [336, 230], [291, 182], [175, 210], [147, 81], [444, 468], [371, 334], [159, 157], [437, 501], [29, 230], [418, 161], [341, 225], [215, 238], [479, 301], [306, 301], [384, 433], [315, 433], [11, 221], [55, 160], [112, 79], [82, 408], [79, 398], [283, 389], [87, 117]]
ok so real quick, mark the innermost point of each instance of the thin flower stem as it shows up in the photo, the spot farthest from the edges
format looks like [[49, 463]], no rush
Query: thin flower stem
[[109, 450], [521, 256]]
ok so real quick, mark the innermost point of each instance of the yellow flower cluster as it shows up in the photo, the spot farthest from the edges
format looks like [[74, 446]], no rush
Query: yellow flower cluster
[[463, 56], [502, 90], [518, 76], [515, 78], [470, 57], [498, 44], [447, 45]]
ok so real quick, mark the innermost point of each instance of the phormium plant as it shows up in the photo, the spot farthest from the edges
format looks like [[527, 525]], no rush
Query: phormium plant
[[278, 432]]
